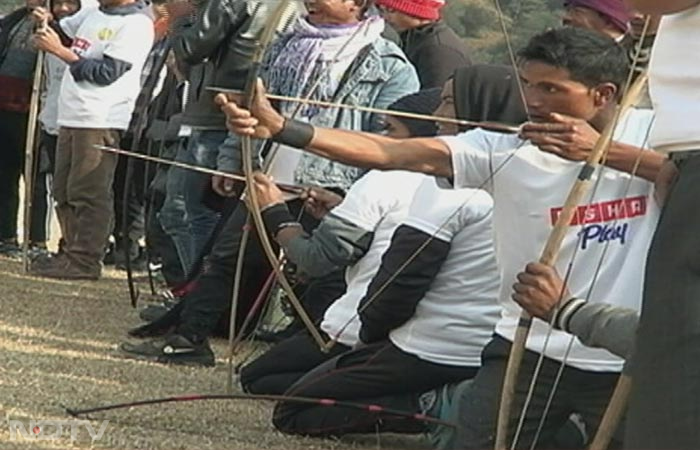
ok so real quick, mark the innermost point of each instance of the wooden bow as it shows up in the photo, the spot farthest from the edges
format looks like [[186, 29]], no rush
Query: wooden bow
[[247, 156]]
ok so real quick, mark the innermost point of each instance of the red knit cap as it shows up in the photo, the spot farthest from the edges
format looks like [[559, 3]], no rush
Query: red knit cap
[[422, 9]]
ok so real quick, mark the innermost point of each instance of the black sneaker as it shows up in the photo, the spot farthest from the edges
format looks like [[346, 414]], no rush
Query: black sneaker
[[274, 337], [165, 300], [155, 311], [173, 349]]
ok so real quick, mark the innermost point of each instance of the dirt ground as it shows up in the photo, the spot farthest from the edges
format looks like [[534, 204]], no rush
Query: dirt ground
[[58, 348]]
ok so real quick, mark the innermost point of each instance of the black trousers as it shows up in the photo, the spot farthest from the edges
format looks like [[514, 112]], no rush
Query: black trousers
[[13, 130], [664, 408], [579, 391], [378, 374], [13, 135], [211, 297], [160, 244], [135, 202], [42, 199], [285, 363]]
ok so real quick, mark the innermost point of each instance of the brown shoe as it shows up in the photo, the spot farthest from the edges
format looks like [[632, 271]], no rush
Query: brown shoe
[[62, 268]]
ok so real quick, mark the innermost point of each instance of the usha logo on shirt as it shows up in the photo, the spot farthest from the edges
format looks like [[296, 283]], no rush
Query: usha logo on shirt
[[595, 215]]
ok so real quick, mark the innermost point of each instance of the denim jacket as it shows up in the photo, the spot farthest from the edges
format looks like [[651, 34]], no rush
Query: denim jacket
[[382, 76]]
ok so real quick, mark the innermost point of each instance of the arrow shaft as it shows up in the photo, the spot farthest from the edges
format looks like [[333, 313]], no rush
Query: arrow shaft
[[494, 126], [290, 188]]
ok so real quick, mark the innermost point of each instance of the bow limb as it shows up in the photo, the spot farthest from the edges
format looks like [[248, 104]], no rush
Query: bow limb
[[511, 53], [327, 402], [254, 210], [236, 336], [268, 161], [551, 251], [247, 156], [30, 164], [247, 152], [140, 122]]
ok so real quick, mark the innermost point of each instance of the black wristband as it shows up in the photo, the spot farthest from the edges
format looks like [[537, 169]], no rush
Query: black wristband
[[295, 133], [277, 217]]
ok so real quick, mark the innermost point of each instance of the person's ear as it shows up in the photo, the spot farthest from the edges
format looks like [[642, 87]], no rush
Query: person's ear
[[604, 94]]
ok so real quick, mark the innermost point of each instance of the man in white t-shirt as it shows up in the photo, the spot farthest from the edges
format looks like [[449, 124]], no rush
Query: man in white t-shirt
[[108, 47], [421, 327], [363, 223], [572, 80]]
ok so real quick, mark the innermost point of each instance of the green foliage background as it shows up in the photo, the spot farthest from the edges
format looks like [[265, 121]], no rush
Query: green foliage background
[[9, 5], [477, 22]]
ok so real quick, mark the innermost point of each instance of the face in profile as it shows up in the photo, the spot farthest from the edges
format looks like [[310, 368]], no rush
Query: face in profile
[[64, 8], [447, 110], [398, 20], [332, 12], [394, 128], [548, 89]]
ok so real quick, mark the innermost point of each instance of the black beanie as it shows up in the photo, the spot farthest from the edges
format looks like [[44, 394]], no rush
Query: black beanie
[[421, 102]]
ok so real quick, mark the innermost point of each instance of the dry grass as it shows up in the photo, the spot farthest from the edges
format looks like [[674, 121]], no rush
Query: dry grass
[[58, 347]]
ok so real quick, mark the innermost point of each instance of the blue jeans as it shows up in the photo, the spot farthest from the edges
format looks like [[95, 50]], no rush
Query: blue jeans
[[183, 216], [173, 215], [202, 151]]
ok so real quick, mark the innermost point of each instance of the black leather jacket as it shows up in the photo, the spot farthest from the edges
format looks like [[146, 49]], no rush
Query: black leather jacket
[[220, 45], [7, 23]]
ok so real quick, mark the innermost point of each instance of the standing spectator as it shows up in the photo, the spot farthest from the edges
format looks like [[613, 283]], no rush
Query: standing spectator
[[337, 46], [218, 48], [54, 67], [108, 48], [129, 223], [17, 61], [431, 46]]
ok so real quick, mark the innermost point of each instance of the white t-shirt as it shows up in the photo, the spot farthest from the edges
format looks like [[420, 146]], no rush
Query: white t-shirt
[[529, 188], [377, 202], [95, 34], [456, 317], [284, 162], [674, 82]]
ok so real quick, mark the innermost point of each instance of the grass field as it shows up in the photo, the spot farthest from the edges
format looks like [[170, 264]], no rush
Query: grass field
[[58, 348]]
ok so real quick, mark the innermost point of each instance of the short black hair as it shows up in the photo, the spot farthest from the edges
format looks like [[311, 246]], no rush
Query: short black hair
[[590, 58]]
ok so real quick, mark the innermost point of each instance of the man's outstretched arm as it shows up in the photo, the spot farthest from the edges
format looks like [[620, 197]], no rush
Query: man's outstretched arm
[[427, 155]]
